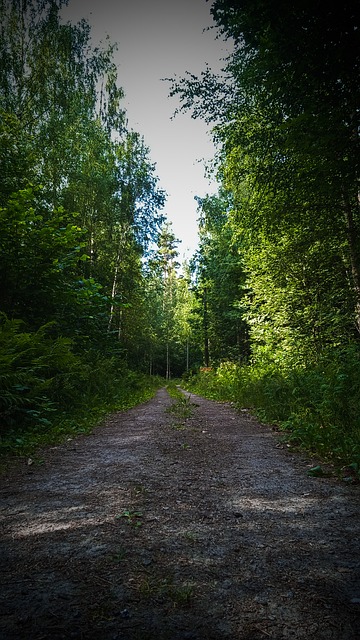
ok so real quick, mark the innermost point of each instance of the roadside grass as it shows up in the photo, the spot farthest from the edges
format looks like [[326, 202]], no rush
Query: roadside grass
[[25, 441], [173, 388], [317, 410]]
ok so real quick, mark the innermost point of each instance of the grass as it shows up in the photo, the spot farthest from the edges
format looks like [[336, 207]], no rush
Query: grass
[[24, 441], [191, 536], [173, 389], [165, 588], [317, 409], [182, 408], [119, 556]]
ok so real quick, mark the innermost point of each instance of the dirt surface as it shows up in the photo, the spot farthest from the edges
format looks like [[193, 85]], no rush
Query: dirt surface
[[158, 526]]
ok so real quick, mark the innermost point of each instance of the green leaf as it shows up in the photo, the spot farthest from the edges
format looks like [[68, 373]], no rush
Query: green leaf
[[316, 471]]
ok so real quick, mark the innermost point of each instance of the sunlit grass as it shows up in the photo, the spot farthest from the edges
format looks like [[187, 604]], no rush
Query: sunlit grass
[[317, 409]]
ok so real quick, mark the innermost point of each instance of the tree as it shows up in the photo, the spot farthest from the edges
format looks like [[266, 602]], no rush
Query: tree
[[166, 335], [220, 282], [63, 127], [183, 317], [166, 264], [79, 206], [287, 126], [38, 261], [285, 116]]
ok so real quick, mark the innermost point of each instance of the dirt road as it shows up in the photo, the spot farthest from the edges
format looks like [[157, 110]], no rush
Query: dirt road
[[167, 527]]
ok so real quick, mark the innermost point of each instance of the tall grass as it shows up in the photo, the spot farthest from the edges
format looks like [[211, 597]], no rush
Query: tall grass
[[318, 408]]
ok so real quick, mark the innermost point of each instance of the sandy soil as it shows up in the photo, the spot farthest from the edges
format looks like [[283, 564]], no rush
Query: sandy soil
[[158, 526]]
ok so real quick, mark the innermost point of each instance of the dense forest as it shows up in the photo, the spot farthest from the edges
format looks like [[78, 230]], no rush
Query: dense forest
[[89, 297], [278, 266], [95, 312]]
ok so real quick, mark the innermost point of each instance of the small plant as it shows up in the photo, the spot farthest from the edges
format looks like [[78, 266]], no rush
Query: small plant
[[316, 472], [182, 595], [178, 426], [132, 517], [139, 490], [351, 473], [182, 408], [165, 588], [147, 587], [119, 556], [191, 536], [174, 390]]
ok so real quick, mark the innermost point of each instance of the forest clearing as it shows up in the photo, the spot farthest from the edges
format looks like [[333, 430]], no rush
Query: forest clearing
[[178, 519]]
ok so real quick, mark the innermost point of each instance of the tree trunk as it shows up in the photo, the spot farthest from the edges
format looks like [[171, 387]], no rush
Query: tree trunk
[[120, 324], [353, 243], [150, 365], [167, 361], [113, 292], [206, 332]]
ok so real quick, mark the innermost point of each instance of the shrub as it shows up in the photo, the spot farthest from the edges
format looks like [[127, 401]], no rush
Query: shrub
[[318, 407]]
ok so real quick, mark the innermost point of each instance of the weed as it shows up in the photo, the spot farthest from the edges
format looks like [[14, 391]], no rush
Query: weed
[[182, 595], [132, 517], [24, 439], [178, 426], [191, 536], [173, 389], [182, 408], [119, 556], [165, 588], [147, 587], [317, 405], [139, 490]]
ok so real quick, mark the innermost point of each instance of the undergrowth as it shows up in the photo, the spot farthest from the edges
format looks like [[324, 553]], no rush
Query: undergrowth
[[182, 408], [48, 393], [317, 408], [24, 441]]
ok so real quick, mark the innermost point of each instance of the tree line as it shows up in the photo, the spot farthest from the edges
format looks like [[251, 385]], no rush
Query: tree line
[[89, 299], [93, 302], [278, 267]]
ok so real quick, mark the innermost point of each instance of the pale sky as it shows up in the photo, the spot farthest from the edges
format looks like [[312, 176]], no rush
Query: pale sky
[[158, 39]]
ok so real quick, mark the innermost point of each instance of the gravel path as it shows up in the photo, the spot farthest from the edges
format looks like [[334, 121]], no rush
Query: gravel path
[[167, 527]]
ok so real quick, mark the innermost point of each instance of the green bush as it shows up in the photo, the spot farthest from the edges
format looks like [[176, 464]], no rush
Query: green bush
[[48, 392], [318, 407]]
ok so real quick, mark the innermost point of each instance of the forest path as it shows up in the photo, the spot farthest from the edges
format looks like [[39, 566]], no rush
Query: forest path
[[158, 526]]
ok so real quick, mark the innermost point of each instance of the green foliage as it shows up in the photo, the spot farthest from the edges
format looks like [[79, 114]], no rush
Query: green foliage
[[40, 251], [132, 517], [36, 422], [166, 338], [182, 408], [284, 246], [29, 363], [173, 389], [79, 204], [180, 595], [317, 407], [220, 280]]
